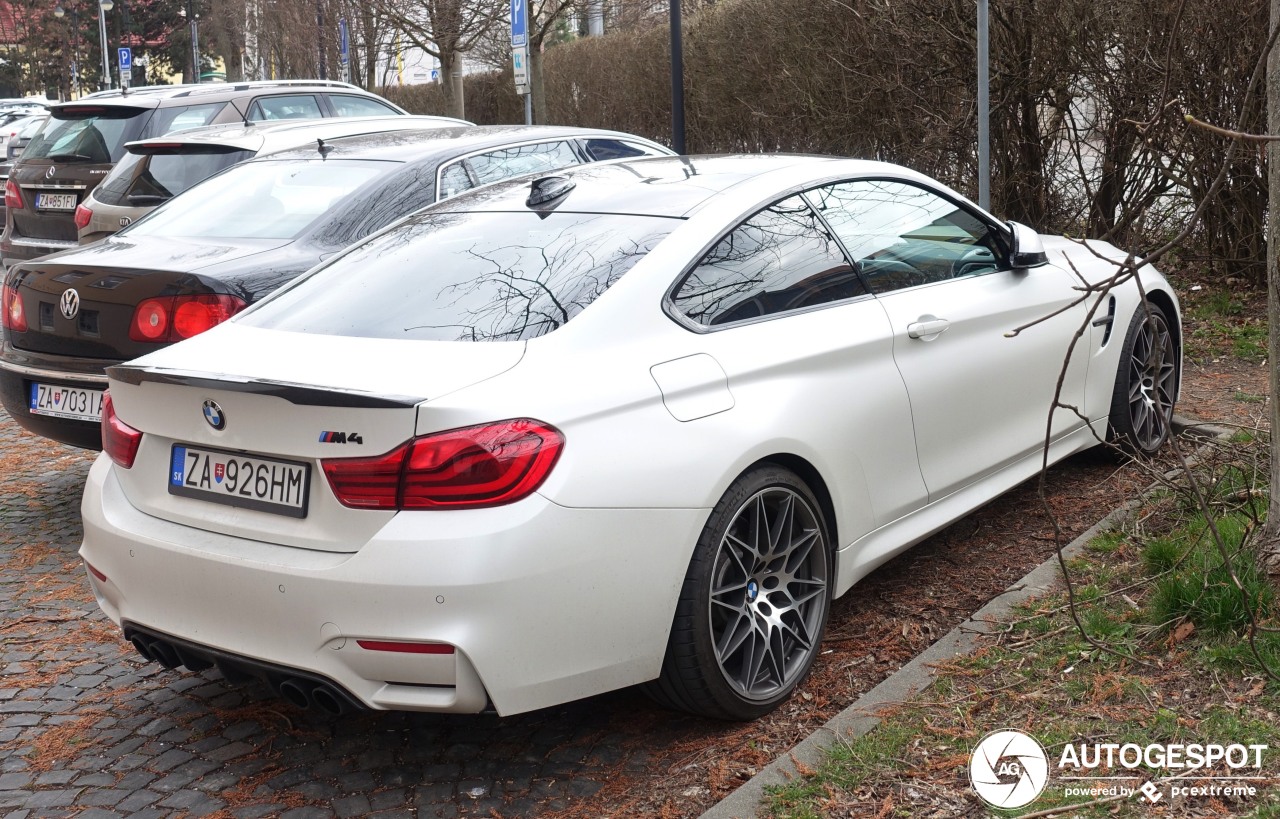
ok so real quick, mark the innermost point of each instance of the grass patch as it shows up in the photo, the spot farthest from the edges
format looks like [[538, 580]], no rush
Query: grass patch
[[1166, 661]]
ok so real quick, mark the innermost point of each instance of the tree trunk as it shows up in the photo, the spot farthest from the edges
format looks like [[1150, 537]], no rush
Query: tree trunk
[[451, 77], [536, 88], [1271, 534]]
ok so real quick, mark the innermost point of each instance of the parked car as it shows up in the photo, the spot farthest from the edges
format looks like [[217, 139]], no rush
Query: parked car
[[229, 241], [19, 133], [155, 170], [77, 147], [637, 422]]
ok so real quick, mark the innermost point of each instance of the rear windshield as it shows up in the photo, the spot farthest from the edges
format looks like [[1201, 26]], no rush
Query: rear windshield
[[96, 136], [261, 200], [143, 180], [467, 277]]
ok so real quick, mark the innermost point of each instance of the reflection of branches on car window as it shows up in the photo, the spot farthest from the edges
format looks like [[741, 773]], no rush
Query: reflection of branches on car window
[[526, 291], [767, 254]]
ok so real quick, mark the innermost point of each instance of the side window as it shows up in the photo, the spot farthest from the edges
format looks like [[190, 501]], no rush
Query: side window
[[522, 159], [297, 106], [900, 235], [168, 120], [453, 180], [779, 260], [601, 149], [348, 105]]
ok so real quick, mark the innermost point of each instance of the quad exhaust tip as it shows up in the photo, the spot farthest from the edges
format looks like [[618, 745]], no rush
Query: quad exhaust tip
[[301, 690]]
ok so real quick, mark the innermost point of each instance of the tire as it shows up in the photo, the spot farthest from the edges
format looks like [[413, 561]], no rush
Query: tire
[[754, 603], [1146, 383]]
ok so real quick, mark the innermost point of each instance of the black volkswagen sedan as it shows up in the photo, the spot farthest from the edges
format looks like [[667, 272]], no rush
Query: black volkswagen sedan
[[229, 241]]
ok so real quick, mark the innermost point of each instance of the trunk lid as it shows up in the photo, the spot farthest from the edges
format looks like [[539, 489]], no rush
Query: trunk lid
[[287, 399], [109, 280]]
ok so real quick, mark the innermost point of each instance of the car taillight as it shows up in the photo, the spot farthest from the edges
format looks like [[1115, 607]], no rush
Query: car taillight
[[83, 217], [119, 440], [14, 317], [485, 465], [12, 195], [172, 318]]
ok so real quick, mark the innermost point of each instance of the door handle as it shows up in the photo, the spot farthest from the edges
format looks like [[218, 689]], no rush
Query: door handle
[[927, 329]]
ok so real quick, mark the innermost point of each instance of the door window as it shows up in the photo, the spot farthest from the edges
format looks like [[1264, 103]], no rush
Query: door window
[[520, 160], [294, 106], [780, 260], [453, 180], [349, 105], [901, 235]]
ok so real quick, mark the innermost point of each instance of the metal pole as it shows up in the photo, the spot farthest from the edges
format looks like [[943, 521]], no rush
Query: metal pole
[[677, 81], [528, 109], [984, 110], [320, 36], [102, 30]]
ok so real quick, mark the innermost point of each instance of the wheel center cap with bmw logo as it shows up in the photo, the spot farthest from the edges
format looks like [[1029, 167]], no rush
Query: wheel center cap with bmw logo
[[753, 589], [69, 303], [214, 415]]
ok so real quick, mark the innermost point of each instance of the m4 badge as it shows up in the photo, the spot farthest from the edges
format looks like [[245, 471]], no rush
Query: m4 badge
[[341, 438]]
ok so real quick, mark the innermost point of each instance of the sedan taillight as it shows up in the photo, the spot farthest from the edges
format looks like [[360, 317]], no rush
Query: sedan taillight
[[172, 318], [14, 317], [119, 440], [469, 468], [12, 195]]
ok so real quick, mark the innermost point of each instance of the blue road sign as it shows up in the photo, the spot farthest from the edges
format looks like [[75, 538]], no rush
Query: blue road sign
[[344, 41], [519, 23], [125, 58]]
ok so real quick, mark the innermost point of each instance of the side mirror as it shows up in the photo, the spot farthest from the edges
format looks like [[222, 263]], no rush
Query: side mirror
[[1028, 249]]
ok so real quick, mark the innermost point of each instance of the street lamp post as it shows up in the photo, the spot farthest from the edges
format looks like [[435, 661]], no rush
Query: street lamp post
[[104, 6]]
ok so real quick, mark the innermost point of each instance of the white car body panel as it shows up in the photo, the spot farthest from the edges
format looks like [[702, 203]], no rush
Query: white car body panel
[[571, 591]]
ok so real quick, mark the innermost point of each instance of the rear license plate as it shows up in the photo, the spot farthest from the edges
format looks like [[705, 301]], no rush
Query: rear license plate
[[65, 402], [56, 201], [236, 479]]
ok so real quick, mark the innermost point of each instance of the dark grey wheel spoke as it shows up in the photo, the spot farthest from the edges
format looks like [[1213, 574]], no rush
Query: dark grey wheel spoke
[[1152, 376], [769, 593]]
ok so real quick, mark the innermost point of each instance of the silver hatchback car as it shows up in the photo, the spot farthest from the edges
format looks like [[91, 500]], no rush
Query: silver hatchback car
[[156, 170]]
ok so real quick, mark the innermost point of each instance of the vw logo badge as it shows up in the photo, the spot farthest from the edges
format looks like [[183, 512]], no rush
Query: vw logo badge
[[69, 304], [213, 414]]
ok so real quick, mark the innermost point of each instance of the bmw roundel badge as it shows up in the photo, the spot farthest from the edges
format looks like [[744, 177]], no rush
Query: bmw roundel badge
[[214, 415]]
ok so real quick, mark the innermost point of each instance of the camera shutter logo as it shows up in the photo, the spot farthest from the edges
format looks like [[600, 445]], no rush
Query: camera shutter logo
[[1009, 769], [69, 303]]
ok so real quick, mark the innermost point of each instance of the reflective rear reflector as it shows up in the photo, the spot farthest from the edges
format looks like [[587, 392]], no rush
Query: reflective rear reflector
[[405, 648], [102, 577]]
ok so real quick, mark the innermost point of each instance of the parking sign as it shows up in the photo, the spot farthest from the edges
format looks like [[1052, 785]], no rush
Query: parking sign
[[519, 23], [125, 59]]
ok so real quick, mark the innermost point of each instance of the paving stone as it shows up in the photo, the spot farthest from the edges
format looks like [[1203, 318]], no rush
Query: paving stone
[[15, 781], [58, 798], [138, 800], [97, 813], [193, 801], [349, 806]]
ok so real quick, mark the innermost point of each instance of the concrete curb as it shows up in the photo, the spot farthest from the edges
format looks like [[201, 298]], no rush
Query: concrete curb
[[917, 675]]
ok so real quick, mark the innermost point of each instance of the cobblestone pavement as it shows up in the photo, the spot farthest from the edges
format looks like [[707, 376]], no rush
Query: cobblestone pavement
[[89, 729]]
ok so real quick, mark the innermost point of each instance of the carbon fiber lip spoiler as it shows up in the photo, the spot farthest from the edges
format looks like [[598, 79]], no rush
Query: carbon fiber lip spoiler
[[299, 394]]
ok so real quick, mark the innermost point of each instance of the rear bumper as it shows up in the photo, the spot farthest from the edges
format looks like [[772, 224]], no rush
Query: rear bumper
[[18, 369], [20, 249], [542, 604]]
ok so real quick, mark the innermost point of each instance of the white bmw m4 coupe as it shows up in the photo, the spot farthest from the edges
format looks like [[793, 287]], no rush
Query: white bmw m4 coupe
[[633, 423]]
